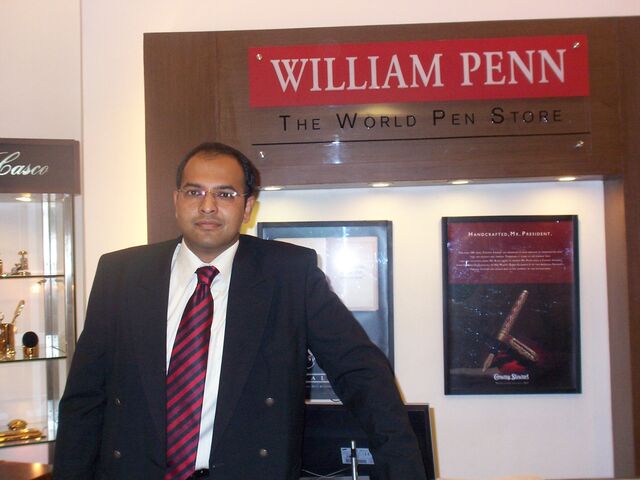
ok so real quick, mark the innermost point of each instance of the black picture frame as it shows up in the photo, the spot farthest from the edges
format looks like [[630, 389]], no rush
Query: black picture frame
[[365, 286], [511, 304]]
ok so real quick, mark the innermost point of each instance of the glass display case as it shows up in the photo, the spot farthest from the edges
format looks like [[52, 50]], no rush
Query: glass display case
[[37, 312], [37, 304]]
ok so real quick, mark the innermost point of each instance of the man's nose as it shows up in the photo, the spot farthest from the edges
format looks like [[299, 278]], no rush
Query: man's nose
[[209, 203]]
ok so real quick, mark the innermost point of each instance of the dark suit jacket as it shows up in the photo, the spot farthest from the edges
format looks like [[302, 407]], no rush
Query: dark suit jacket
[[112, 414]]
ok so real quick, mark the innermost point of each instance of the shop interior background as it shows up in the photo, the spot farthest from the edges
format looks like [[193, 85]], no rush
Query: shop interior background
[[74, 69]]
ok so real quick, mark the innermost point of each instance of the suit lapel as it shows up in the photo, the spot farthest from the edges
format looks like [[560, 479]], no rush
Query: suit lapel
[[250, 294], [149, 328]]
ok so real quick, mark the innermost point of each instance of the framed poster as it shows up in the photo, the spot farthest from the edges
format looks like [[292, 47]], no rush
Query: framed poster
[[511, 305], [356, 258]]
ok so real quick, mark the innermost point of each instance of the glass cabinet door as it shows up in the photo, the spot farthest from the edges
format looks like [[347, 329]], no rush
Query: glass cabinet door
[[37, 313]]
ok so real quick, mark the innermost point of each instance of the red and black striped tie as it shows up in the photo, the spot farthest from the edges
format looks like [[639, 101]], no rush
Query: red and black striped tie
[[186, 376]]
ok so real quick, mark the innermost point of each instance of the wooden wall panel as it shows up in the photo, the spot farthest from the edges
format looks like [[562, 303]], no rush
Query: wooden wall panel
[[620, 347], [180, 112], [428, 160], [196, 89], [629, 41]]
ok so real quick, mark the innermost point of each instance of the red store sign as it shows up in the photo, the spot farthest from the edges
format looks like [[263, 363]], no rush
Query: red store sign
[[419, 71]]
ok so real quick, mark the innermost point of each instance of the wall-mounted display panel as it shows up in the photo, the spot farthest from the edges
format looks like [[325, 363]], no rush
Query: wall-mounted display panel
[[511, 305], [356, 258]]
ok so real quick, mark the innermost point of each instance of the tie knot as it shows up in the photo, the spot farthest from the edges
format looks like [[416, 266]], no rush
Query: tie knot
[[206, 275]]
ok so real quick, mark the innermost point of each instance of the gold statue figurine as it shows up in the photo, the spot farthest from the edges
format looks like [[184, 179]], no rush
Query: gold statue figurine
[[18, 431]]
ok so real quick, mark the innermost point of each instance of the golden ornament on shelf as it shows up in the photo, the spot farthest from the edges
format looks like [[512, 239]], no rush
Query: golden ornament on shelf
[[8, 334], [18, 431], [22, 267]]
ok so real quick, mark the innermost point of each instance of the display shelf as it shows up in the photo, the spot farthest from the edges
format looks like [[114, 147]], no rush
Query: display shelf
[[51, 354], [5, 276], [37, 303], [36, 306], [31, 394], [42, 438]]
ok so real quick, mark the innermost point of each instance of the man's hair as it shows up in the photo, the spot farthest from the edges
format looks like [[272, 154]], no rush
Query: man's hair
[[251, 173]]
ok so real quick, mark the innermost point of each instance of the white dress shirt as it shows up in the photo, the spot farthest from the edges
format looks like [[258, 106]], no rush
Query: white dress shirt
[[182, 285]]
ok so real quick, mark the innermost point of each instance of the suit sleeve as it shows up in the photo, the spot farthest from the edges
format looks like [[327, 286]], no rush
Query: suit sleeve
[[362, 377], [82, 405]]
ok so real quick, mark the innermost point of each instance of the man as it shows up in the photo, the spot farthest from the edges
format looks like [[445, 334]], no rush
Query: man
[[132, 409]]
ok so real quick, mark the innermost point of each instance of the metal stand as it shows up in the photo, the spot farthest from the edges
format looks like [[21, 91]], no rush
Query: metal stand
[[354, 461]]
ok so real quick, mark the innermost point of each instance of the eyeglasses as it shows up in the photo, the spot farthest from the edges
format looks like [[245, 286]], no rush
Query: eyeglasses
[[199, 194]]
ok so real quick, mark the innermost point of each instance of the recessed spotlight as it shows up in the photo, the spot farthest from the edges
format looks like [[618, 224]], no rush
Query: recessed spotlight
[[24, 197], [272, 188], [379, 184], [459, 182], [566, 179]]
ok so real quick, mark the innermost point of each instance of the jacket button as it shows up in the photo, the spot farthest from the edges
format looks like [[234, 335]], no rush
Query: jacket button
[[117, 454], [269, 401], [263, 452], [117, 402]]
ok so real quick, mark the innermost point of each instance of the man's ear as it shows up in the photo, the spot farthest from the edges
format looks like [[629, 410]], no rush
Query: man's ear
[[175, 201], [248, 208]]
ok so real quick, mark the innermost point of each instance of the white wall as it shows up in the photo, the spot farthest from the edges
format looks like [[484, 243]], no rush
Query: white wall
[[40, 69], [551, 436], [478, 437]]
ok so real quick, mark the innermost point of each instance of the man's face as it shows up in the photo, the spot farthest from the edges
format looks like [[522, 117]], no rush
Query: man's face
[[210, 225]]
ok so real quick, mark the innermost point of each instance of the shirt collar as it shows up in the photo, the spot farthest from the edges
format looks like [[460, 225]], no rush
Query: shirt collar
[[186, 263]]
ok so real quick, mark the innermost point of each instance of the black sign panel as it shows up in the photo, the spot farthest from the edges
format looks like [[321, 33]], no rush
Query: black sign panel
[[39, 166]]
